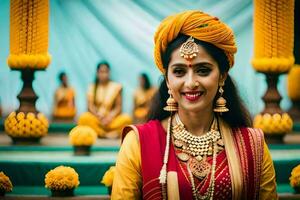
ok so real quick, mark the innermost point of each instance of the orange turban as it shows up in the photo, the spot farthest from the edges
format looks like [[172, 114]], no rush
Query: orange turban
[[198, 25]]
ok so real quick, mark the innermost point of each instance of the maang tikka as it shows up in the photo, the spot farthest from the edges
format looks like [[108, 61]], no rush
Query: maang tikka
[[189, 49]]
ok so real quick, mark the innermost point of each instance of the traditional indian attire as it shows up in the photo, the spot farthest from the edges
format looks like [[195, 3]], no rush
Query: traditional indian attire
[[244, 168], [142, 99], [104, 101], [64, 103]]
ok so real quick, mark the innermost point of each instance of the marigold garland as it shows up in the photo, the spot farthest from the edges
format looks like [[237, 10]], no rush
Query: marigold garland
[[82, 136], [295, 177], [273, 35], [61, 178], [293, 83], [5, 183], [272, 124], [29, 27], [26, 125], [108, 177]]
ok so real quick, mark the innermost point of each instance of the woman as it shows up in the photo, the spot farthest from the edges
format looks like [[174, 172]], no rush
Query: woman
[[64, 99], [204, 149], [142, 98], [105, 105]]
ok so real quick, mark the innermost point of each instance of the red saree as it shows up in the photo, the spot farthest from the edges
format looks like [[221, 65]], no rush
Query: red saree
[[249, 147]]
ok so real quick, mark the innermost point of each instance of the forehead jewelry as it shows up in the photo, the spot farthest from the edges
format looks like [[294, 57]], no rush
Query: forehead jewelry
[[189, 49]]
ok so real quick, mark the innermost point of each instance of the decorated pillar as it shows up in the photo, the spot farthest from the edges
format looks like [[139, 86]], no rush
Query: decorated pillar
[[273, 56], [293, 79], [29, 21]]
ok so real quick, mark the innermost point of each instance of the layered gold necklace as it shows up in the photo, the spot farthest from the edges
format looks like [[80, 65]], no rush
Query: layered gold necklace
[[194, 150]]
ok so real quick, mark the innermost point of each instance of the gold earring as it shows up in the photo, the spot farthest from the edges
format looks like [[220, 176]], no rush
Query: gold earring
[[172, 105], [221, 102]]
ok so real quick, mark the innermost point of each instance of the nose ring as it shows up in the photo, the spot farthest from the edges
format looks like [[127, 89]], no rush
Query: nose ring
[[197, 84]]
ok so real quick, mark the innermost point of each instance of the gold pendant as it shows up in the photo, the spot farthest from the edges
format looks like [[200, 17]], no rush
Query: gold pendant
[[199, 158], [183, 156], [199, 169]]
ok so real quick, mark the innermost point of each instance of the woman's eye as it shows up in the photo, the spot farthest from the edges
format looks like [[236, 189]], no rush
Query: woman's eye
[[178, 72], [203, 71]]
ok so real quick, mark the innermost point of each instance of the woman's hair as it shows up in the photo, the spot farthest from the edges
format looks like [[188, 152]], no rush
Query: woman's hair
[[147, 83], [237, 116], [61, 75], [96, 82]]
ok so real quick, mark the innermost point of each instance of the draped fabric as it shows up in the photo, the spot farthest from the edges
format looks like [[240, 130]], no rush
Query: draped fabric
[[248, 145], [84, 32]]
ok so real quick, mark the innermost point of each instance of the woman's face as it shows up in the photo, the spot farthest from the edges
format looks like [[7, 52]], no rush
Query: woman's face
[[64, 80], [142, 81], [103, 74], [193, 83]]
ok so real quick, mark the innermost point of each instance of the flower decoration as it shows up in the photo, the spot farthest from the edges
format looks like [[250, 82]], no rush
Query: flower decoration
[[272, 124], [293, 83], [82, 136], [295, 177], [5, 183], [26, 125], [108, 177], [61, 178], [29, 34], [273, 45]]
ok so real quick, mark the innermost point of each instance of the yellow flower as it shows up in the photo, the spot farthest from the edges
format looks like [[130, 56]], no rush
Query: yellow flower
[[293, 83], [273, 124], [82, 136], [273, 45], [61, 178], [5, 183], [108, 177], [26, 125], [29, 35], [295, 177]]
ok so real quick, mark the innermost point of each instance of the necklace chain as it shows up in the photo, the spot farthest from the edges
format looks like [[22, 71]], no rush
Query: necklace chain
[[194, 150]]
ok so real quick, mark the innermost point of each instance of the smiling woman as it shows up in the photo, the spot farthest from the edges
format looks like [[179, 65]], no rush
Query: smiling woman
[[201, 145]]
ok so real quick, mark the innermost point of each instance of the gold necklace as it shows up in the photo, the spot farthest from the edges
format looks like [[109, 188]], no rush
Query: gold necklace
[[194, 151], [196, 146], [209, 194]]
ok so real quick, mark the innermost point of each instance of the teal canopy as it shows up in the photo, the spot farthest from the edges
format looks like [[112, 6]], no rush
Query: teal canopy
[[84, 32]]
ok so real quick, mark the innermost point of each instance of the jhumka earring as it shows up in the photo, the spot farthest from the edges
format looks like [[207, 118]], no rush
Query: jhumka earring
[[172, 105], [221, 102]]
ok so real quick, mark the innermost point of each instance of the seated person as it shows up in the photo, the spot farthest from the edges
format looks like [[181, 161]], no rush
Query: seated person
[[64, 99], [105, 105], [142, 99]]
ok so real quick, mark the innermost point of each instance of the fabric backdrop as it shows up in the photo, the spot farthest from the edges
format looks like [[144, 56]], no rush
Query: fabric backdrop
[[84, 32]]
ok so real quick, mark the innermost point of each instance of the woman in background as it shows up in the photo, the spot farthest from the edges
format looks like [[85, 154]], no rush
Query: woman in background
[[104, 100], [142, 98], [64, 100]]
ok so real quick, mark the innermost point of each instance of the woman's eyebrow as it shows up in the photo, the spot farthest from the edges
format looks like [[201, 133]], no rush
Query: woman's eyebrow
[[194, 65]]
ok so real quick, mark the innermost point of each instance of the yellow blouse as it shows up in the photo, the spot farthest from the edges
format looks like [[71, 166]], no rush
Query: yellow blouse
[[105, 96], [127, 182], [64, 102]]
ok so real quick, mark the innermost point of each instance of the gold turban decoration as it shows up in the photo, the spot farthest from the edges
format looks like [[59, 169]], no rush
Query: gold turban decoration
[[197, 24]]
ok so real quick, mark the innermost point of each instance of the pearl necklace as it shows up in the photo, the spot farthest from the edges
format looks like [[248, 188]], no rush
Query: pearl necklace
[[197, 146]]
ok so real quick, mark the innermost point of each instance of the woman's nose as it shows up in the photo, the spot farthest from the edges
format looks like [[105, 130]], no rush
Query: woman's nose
[[191, 81]]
